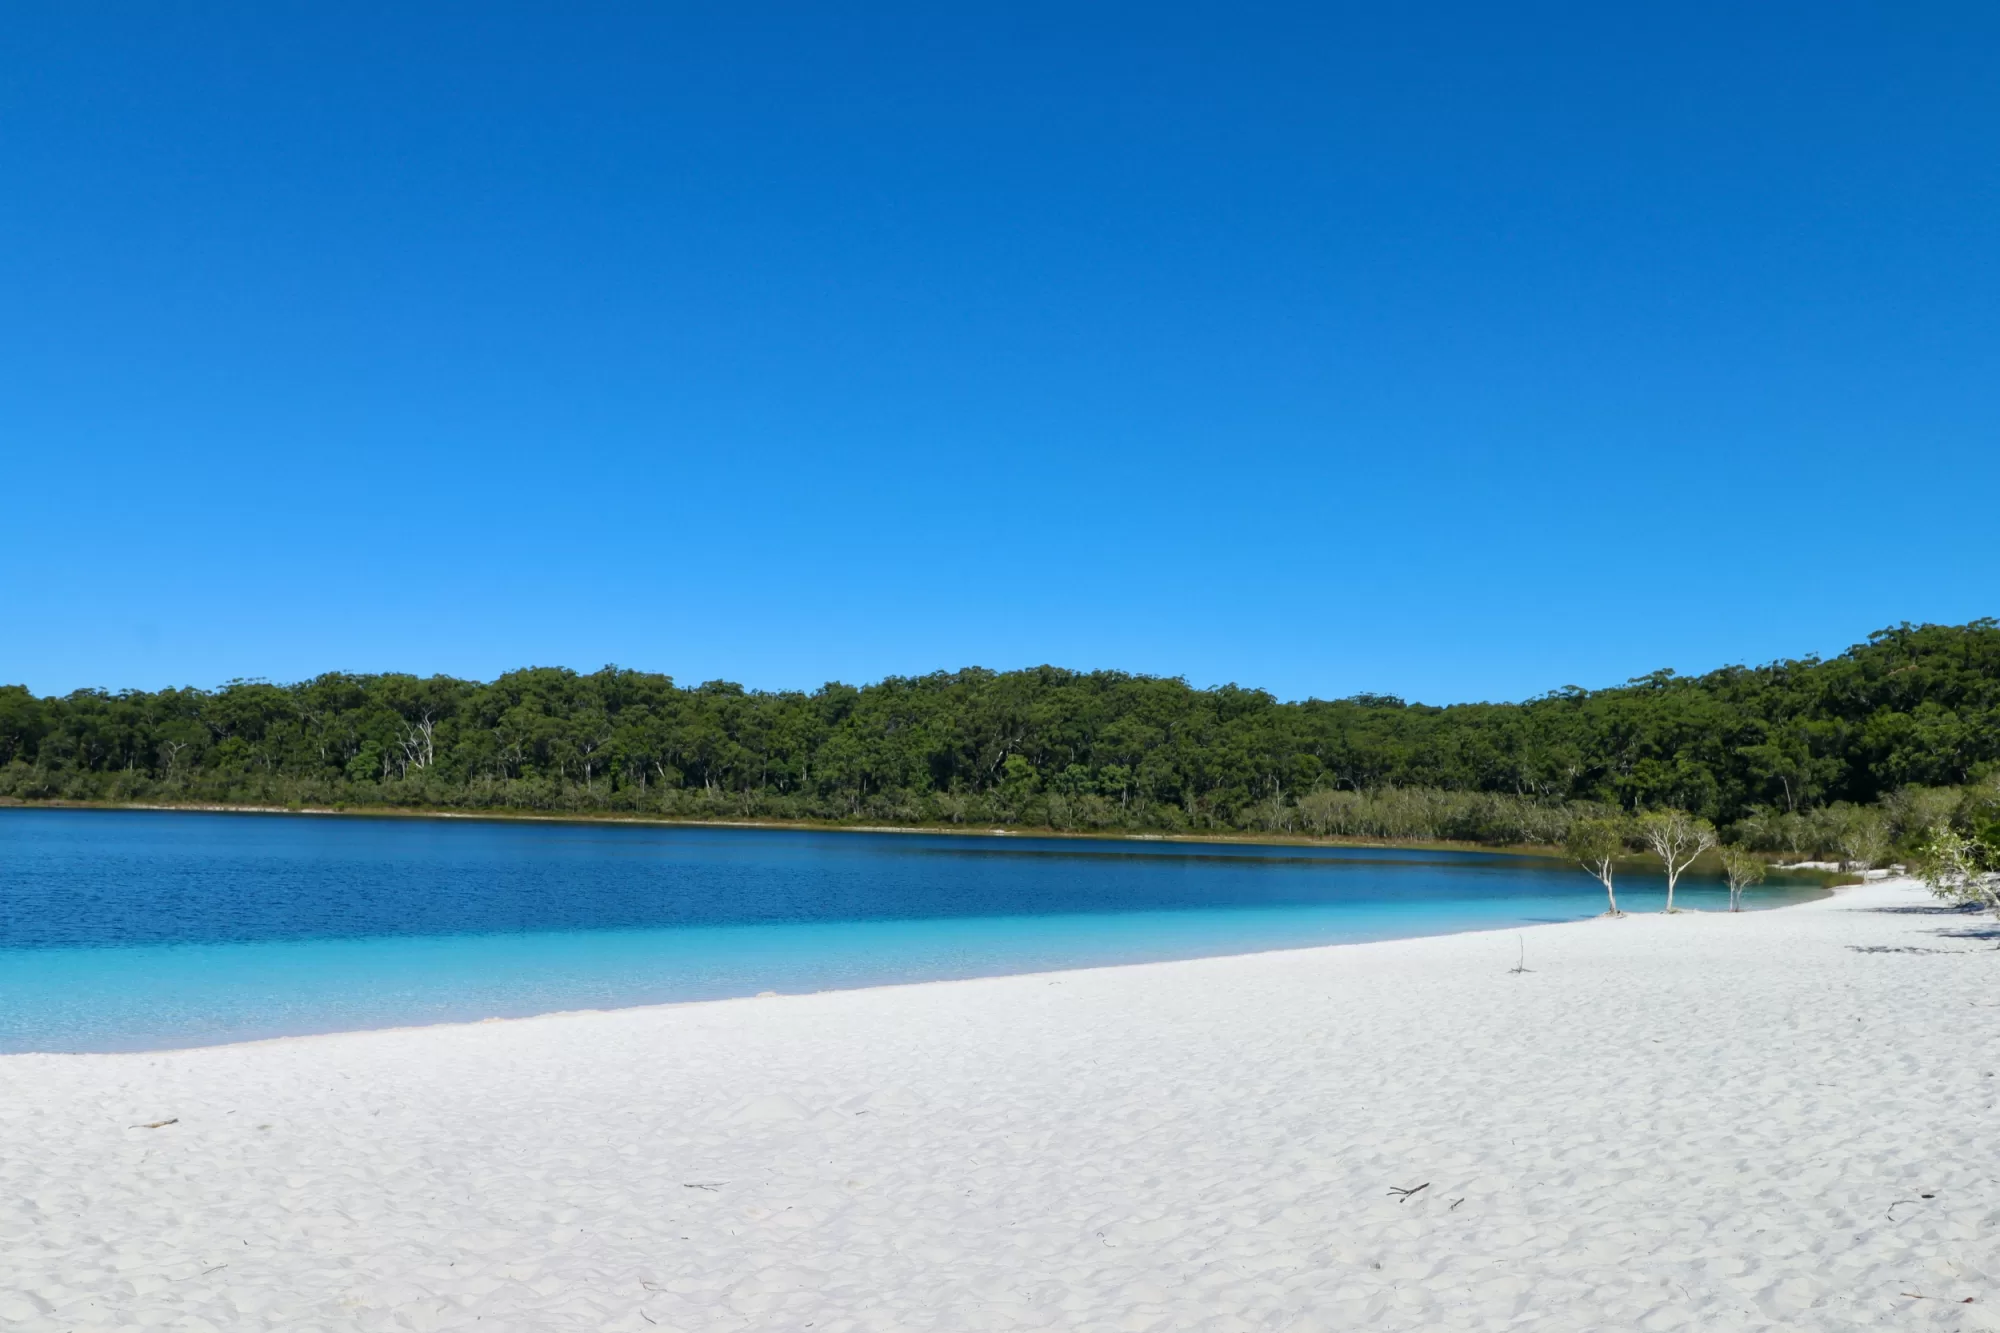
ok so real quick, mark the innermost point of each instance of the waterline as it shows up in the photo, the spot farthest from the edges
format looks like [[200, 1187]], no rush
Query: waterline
[[138, 931]]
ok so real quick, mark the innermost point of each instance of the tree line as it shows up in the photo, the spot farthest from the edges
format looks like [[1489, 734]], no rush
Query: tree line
[[1792, 756]]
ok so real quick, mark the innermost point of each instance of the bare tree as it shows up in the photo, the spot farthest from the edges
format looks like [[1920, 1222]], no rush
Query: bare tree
[[420, 744], [1595, 845], [1275, 813], [172, 750], [1677, 838], [1741, 869], [587, 756]]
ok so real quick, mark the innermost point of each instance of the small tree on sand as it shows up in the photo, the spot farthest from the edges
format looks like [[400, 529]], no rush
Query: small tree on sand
[[1863, 839], [1677, 838], [1595, 844], [1741, 869], [1962, 868]]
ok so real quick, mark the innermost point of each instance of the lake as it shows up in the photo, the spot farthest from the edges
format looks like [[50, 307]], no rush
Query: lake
[[133, 930]]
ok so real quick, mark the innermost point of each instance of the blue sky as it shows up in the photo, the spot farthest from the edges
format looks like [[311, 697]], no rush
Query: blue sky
[[1454, 352]]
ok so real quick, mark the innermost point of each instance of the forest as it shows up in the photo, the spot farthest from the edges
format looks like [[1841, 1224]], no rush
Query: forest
[[1788, 755]]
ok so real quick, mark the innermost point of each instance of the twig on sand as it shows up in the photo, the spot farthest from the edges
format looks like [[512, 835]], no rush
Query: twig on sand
[[648, 1318], [1455, 1203], [1404, 1194], [157, 1124], [1521, 966], [710, 1185]]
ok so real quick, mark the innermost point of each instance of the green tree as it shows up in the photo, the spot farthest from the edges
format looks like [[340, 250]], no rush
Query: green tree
[[1596, 844], [1784, 752], [1962, 866], [1741, 869]]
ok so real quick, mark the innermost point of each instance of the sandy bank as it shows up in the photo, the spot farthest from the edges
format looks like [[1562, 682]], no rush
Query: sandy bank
[[1775, 1120]]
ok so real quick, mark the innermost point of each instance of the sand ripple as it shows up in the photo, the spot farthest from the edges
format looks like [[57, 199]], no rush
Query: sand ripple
[[1705, 1122]]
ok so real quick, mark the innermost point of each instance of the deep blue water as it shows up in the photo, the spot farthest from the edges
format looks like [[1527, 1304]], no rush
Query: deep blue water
[[124, 930]]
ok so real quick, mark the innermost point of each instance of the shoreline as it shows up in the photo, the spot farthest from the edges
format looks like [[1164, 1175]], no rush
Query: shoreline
[[785, 825], [1711, 1120], [1830, 879], [1052, 975]]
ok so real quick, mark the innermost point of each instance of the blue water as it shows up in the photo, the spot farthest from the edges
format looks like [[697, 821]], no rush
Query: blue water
[[133, 930]]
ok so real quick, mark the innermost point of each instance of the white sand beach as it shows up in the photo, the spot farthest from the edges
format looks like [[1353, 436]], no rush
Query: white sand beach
[[1779, 1120]]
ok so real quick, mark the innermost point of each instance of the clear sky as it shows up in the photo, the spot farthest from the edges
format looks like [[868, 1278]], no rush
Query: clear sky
[[1447, 351]]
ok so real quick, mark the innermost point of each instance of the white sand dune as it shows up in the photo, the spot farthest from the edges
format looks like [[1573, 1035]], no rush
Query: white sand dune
[[1778, 1120]]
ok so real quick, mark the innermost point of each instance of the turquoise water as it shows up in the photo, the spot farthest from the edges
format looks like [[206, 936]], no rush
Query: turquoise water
[[142, 930]]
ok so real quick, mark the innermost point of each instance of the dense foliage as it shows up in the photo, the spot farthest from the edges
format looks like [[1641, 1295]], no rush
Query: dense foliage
[[1914, 707]]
